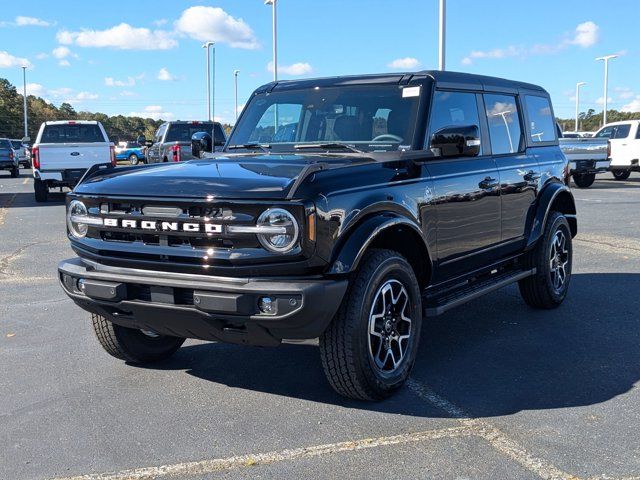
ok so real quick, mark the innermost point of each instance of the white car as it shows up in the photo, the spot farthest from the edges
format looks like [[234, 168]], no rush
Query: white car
[[65, 150], [625, 147]]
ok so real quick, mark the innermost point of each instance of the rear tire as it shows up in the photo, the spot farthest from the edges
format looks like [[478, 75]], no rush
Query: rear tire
[[131, 345], [621, 174], [133, 159], [380, 313], [584, 180], [41, 190], [552, 257], [15, 172]]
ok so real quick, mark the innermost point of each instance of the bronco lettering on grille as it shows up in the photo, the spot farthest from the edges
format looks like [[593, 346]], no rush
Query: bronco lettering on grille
[[162, 226]]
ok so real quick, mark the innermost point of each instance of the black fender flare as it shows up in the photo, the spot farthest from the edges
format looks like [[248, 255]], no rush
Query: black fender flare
[[556, 195], [360, 237]]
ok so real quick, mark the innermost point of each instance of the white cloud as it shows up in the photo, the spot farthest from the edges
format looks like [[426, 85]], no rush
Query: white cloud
[[153, 111], [624, 93], [42, 56], [9, 61], [22, 21], [165, 75], [61, 52], [633, 106], [213, 23], [64, 63], [36, 89], [85, 96], [127, 93], [160, 22], [295, 69], [112, 82], [404, 63], [123, 37], [586, 35]]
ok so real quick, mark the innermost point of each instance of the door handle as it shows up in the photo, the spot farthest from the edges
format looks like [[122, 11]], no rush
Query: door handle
[[488, 183]]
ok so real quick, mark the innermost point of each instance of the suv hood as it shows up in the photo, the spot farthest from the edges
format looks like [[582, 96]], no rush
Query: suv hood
[[239, 176]]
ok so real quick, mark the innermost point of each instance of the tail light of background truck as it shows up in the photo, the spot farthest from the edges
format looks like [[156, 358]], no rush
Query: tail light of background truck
[[175, 150], [112, 153], [35, 157]]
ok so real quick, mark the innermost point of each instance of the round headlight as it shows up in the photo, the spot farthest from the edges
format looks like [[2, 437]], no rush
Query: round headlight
[[77, 208], [286, 237]]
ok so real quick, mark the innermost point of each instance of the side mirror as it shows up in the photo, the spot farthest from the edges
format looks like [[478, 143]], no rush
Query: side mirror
[[458, 141], [26, 139], [141, 140], [201, 142], [148, 143]]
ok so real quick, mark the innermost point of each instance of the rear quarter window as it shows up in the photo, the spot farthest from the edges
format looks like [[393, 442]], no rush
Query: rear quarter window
[[78, 133], [541, 124]]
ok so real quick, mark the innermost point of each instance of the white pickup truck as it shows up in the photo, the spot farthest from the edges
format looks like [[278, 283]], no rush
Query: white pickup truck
[[64, 151], [625, 147]]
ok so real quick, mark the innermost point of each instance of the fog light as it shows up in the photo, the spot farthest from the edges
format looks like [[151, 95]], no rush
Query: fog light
[[267, 305]]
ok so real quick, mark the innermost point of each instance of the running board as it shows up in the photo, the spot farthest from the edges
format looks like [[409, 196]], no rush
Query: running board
[[438, 305]]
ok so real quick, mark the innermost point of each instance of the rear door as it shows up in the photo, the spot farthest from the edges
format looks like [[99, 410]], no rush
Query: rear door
[[466, 190], [619, 136], [519, 171], [72, 146]]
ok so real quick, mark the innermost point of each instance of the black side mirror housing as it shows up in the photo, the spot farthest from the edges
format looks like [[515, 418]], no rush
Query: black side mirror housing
[[148, 143], [456, 141], [141, 140], [201, 142]]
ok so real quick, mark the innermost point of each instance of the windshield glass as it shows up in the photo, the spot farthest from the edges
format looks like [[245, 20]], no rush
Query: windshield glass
[[370, 118], [72, 133], [182, 132], [16, 144]]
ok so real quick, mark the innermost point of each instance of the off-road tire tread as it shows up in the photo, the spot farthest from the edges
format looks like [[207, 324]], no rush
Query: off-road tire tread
[[584, 180], [337, 351], [534, 289]]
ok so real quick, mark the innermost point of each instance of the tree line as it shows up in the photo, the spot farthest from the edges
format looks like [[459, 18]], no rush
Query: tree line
[[590, 121], [118, 127]]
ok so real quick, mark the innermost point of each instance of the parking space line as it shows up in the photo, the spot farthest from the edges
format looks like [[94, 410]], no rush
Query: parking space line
[[495, 437], [26, 180], [211, 466]]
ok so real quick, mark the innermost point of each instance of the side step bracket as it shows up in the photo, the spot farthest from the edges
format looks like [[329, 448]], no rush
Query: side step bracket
[[437, 305]]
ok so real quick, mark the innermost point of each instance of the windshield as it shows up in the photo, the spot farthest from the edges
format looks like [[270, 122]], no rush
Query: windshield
[[182, 132], [16, 144], [370, 118], [72, 133]]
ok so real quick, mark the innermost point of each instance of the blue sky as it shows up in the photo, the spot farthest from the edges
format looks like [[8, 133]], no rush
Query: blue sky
[[144, 56]]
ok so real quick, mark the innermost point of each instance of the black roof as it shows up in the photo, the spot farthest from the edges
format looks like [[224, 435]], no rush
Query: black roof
[[442, 78]]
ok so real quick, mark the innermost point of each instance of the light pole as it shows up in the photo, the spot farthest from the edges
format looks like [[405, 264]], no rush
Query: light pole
[[235, 86], [606, 59], [442, 34], [578, 85], [24, 95], [206, 46], [275, 37]]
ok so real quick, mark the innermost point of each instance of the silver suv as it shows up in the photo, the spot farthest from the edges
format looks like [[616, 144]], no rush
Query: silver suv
[[172, 141]]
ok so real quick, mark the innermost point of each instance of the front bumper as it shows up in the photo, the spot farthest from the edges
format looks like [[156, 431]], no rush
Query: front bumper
[[203, 307], [589, 166]]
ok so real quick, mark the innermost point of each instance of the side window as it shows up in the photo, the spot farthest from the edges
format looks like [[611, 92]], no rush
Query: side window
[[638, 132], [453, 109], [621, 131], [504, 123], [540, 119], [606, 132]]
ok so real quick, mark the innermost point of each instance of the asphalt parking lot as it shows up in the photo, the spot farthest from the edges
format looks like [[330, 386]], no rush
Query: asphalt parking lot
[[498, 391]]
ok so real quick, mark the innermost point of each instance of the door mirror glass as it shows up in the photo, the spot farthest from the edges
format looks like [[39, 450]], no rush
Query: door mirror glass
[[458, 141]]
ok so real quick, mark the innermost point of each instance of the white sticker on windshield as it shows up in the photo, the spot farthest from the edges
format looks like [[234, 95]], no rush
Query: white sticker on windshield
[[411, 92]]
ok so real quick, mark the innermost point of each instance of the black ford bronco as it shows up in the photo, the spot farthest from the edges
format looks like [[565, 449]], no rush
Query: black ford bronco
[[349, 209]]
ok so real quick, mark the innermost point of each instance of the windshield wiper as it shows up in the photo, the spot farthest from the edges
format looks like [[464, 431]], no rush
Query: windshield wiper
[[327, 146], [251, 146]]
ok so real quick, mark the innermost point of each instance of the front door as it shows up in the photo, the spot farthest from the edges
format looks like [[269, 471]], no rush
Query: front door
[[466, 191]]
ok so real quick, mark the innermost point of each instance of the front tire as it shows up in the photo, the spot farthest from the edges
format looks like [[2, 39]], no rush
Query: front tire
[[15, 172], [621, 174], [41, 190], [132, 345], [584, 180], [552, 257], [369, 348]]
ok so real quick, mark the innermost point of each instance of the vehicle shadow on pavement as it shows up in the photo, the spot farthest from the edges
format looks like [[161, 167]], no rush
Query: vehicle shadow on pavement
[[606, 183], [27, 199], [492, 357]]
